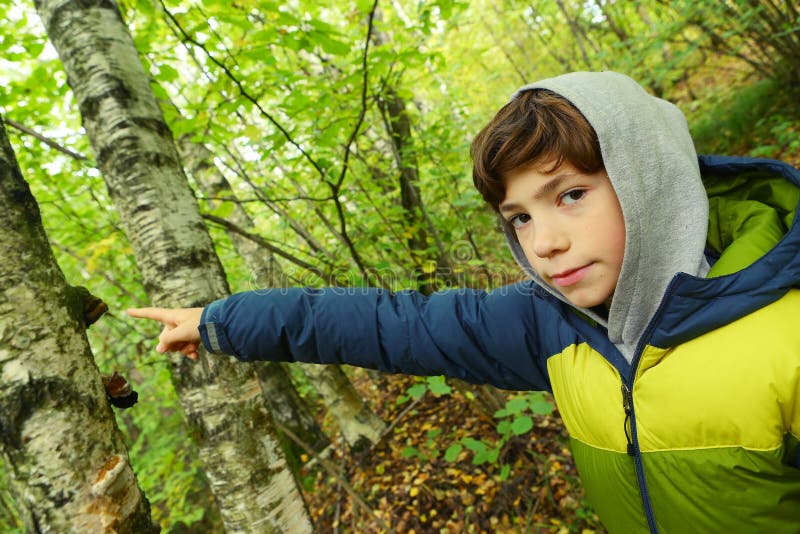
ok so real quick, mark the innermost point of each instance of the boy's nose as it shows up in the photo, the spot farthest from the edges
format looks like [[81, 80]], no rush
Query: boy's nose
[[548, 240]]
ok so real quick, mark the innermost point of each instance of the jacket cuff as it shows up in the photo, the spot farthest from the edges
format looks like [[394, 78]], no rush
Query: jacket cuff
[[212, 329]]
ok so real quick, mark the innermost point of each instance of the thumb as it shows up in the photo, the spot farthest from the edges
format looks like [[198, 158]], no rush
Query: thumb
[[174, 339]]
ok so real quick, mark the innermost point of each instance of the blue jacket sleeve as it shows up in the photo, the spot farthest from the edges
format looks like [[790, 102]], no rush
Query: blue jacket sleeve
[[476, 336]]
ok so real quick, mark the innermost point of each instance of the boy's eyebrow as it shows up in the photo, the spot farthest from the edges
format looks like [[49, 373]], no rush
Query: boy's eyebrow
[[547, 188]]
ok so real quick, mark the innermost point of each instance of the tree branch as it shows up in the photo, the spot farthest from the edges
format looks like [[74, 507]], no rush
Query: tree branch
[[263, 243], [332, 471], [335, 187], [244, 93], [49, 142]]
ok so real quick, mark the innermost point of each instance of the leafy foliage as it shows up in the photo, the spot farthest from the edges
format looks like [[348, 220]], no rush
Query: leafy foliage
[[294, 107]]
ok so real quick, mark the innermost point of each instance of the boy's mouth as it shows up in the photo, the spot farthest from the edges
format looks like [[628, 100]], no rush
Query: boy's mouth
[[572, 276]]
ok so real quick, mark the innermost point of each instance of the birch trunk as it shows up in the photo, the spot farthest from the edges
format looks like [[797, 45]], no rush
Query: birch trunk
[[361, 427], [242, 458], [67, 462], [285, 404]]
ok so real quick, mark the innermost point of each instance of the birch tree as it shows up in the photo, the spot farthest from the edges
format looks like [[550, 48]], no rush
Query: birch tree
[[136, 154], [286, 405], [68, 464], [359, 425]]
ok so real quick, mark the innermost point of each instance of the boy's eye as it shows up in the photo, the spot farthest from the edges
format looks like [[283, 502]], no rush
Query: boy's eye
[[573, 196], [519, 220]]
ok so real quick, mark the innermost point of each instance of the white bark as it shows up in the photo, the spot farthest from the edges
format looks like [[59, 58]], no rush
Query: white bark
[[359, 425], [285, 404], [136, 154], [68, 465]]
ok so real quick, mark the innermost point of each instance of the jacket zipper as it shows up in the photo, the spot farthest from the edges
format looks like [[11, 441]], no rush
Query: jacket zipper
[[633, 450], [630, 416]]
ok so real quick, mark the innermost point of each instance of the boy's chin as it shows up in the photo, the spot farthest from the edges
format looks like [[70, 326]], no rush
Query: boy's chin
[[589, 301]]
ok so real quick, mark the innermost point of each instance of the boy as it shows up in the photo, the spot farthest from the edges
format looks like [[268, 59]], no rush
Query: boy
[[660, 313]]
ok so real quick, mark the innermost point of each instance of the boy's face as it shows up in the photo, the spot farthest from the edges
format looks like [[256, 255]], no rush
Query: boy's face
[[571, 229]]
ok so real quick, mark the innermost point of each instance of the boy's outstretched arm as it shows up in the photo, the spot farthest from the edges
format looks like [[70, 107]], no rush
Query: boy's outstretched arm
[[503, 337], [180, 333]]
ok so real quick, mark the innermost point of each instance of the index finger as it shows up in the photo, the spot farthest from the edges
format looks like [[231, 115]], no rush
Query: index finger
[[162, 315]]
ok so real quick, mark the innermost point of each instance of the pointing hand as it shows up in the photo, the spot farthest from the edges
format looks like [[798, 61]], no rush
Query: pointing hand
[[180, 333]]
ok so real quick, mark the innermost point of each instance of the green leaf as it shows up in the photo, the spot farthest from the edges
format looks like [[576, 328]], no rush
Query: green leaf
[[516, 405], [253, 132], [409, 452], [521, 425], [504, 428], [331, 46], [417, 390], [452, 452], [474, 445], [542, 407], [364, 5], [145, 6], [166, 73], [438, 386], [434, 432], [505, 471], [224, 209], [34, 48]]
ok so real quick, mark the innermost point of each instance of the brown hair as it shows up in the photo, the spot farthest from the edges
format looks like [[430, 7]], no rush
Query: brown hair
[[536, 126]]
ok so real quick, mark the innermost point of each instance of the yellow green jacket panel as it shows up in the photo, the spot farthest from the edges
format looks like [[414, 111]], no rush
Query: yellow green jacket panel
[[706, 419]]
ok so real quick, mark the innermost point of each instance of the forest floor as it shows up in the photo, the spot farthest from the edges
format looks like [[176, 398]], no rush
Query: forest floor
[[408, 486]]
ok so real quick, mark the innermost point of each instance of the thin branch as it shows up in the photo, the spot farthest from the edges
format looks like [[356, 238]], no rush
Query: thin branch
[[46, 140], [110, 279], [364, 85], [399, 417], [335, 187], [275, 207], [502, 48], [261, 200], [263, 243], [331, 469], [244, 93], [345, 162]]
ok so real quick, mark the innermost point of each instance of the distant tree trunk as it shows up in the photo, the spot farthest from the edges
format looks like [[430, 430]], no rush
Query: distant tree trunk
[[419, 225], [359, 425], [398, 125], [285, 404], [577, 33], [241, 455], [67, 462]]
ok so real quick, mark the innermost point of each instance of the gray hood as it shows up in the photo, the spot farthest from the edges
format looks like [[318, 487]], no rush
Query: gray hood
[[651, 161]]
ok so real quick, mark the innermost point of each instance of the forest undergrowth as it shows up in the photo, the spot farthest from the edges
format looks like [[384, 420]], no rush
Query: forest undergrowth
[[409, 484]]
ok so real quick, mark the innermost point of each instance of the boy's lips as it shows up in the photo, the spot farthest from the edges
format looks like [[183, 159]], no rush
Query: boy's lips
[[572, 276]]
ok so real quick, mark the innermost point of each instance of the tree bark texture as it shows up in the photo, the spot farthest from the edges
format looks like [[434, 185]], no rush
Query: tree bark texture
[[285, 404], [242, 458], [67, 461], [360, 426]]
